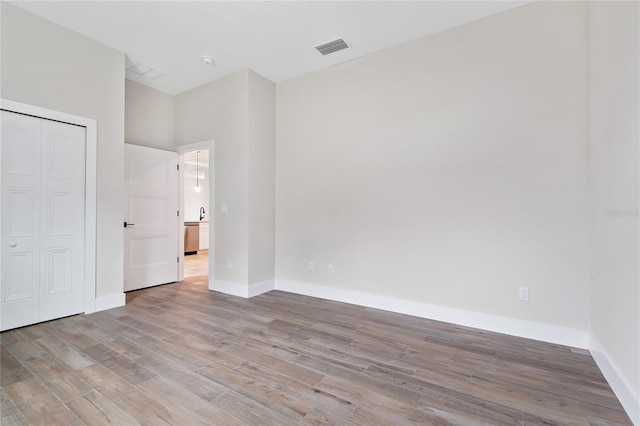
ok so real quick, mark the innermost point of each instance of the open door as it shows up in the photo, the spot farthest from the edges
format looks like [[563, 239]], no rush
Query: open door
[[151, 217]]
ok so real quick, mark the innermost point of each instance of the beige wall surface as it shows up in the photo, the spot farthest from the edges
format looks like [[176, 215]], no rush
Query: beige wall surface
[[219, 111], [615, 135], [450, 170], [148, 116], [262, 151], [51, 67]]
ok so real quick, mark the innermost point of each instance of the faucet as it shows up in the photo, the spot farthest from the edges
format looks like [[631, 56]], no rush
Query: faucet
[[201, 213]]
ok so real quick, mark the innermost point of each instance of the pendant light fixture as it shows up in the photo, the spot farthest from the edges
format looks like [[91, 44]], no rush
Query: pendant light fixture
[[197, 188]]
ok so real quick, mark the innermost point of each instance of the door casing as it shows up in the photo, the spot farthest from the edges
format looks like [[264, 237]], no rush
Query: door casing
[[182, 149]]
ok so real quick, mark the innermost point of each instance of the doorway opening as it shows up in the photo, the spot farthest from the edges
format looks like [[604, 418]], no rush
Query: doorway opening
[[196, 212]]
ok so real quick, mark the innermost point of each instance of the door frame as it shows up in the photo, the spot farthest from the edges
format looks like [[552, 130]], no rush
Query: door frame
[[91, 158], [181, 150]]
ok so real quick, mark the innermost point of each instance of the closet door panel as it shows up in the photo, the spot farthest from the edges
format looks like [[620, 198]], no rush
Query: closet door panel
[[20, 258]]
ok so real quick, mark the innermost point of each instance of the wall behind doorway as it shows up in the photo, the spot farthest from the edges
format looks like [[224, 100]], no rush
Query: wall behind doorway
[[194, 200], [148, 117]]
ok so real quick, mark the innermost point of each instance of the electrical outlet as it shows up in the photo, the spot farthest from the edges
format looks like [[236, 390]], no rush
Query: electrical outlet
[[524, 293], [311, 267], [229, 264], [330, 268]]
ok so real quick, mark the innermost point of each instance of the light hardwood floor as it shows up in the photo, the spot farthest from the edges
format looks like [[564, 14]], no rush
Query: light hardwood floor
[[196, 265], [180, 354]]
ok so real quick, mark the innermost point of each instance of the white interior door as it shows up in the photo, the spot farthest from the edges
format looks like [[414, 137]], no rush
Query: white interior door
[[43, 203], [151, 217]]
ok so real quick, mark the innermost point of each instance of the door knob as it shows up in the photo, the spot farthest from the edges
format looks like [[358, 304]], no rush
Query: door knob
[[13, 244]]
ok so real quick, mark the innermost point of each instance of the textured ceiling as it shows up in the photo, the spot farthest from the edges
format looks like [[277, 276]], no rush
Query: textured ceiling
[[274, 38]]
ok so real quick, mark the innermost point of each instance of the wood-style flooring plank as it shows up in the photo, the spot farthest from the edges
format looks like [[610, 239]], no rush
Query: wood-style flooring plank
[[182, 376], [60, 379], [186, 405], [9, 413], [38, 405], [283, 403], [400, 393], [94, 409], [315, 397], [11, 369], [130, 399], [298, 371], [318, 417], [128, 369], [251, 412], [65, 353], [21, 346], [164, 418]]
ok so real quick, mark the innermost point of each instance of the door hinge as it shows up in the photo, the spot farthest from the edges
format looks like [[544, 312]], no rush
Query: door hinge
[[178, 213], [177, 166], [178, 259]]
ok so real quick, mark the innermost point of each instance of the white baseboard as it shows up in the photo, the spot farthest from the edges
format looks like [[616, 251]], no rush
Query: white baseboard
[[110, 302], [241, 290], [619, 385], [259, 288], [225, 287], [514, 327]]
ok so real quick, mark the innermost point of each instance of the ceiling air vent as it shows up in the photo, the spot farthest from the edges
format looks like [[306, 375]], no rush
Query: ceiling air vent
[[333, 46], [145, 71]]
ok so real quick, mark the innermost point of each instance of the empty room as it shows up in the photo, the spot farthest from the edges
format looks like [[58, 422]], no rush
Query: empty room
[[320, 212]]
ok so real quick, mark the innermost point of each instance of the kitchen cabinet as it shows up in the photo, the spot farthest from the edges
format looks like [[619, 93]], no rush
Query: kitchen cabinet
[[204, 236]]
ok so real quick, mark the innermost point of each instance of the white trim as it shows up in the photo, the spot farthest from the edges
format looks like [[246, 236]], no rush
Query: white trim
[[182, 149], [207, 144], [511, 326], [181, 230], [241, 290], [622, 389], [110, 302], [91, 158], [234, 289], [259, 288]]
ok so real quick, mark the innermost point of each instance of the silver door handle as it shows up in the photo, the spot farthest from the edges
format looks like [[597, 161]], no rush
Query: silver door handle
[[128, 225], [13, 244]]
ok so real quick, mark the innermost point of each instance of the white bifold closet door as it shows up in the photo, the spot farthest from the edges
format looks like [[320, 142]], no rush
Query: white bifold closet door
[[42, 222]]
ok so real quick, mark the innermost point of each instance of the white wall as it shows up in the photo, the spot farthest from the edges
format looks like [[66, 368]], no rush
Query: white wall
[[148, 116], [194, 200], [49, 66], [262, 151], [615, 135], [219, 111], [450, 170]]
